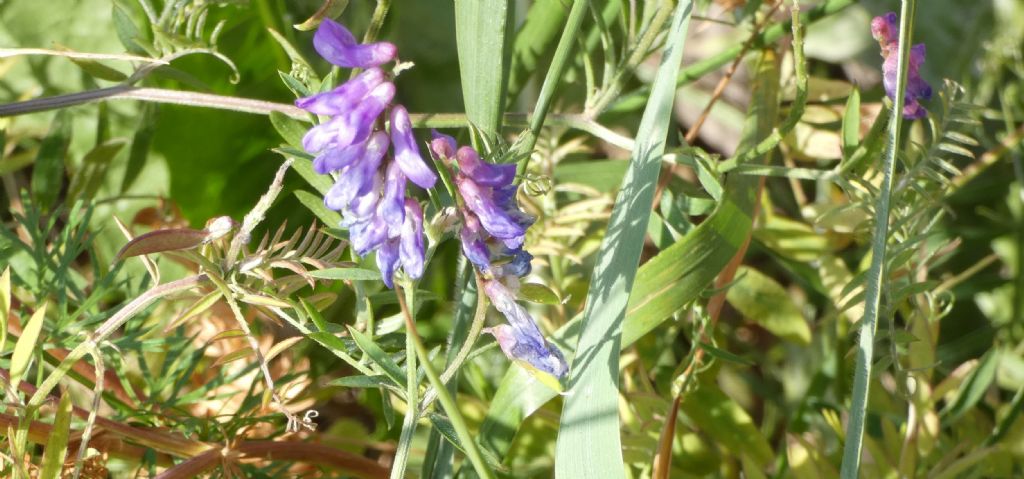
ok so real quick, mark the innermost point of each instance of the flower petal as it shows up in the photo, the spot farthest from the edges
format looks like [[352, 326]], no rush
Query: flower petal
[[387, 261], [407, 154], [344, 98], [473, 245], [357, 178], [483, 173], [495, 220], [411, 249], [337, 45], [392, 204], [442, 146]]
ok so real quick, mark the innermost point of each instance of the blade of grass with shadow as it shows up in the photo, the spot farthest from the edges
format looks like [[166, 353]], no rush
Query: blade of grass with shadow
[[589, 444]]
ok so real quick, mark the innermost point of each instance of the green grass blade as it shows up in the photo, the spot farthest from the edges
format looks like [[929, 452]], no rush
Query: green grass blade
[[48, 173], [664, 284], [588, 441], [876, 273], [57, 443], [482, 28], [25, 346], [534, 41], [5, 305]]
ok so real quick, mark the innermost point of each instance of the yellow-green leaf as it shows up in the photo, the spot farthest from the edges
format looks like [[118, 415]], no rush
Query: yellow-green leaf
[[25, 346], [762, 300]]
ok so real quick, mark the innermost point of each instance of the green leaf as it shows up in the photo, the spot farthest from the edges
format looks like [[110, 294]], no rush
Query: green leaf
[[378, 356], [128, 32], [482, 30], [290, 129], [974, 387], [535, 40], [718, 416], [538, 293], [5, 305], [315, 204], [25, 346], [851, 124], [48, 173], [98, 70], [762, 300], [444, 426], [352, 274], [329, 9], [141, 141], [57, 442], [86, 181], [303, 165], [589, 444], [603, 175], [363, 381]]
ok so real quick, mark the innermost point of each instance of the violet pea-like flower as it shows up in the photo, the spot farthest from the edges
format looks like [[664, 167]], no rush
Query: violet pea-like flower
[[337, 45], [407, 154], [521, 340], [411, 249], [483, 173], [886, 30], [495, 219]]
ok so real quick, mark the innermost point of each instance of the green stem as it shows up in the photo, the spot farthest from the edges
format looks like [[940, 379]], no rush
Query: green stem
[[411, 414], [458, 422], [551, 80], [876, 273], [467, 346]]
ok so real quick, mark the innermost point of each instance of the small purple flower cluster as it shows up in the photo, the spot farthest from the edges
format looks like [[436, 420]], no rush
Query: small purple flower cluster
[[370, 186], [886, 30], [492, 233]]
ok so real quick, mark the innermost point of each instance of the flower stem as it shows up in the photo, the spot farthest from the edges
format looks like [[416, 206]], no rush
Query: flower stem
[[458, 422], [876, 273]]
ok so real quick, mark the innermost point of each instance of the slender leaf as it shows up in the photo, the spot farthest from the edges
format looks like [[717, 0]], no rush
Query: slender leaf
[[588, 441], [482, 29], [57, 442], [48, 173], [25, 346]]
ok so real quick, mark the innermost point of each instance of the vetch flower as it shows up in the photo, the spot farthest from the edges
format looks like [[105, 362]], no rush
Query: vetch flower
[[886, 30], [521, 339], [337, 45], [492, 234], [352, 145]]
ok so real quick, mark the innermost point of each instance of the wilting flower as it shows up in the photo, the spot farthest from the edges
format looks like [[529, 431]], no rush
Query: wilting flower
[[370, 185], [492, 234], [886, 30], [521, 339]]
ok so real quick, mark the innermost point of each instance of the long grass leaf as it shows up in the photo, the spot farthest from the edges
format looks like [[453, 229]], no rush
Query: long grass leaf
[[876, 273], [482, 28], [588, 442], [57, 443]]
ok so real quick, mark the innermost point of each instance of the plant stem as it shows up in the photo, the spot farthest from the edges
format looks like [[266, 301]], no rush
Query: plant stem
[[458, 422], [551, 80], [474, 333], [876, 273]]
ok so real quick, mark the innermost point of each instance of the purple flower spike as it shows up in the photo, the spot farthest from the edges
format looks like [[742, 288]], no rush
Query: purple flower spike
[[495, 220], [392, 204], [483, 173], [886, 30], [407, 154], [442, 146], [521, 340], [338, 46], [322, 136], [411, 248], [344, 98], [387, 261]]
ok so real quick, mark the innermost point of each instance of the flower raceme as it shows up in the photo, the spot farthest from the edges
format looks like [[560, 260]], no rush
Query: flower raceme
[[886, 30], [370, 184], [492, 234]]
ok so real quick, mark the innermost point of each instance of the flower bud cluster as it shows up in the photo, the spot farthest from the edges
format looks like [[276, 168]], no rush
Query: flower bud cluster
[[492, 234], [886, 30]]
